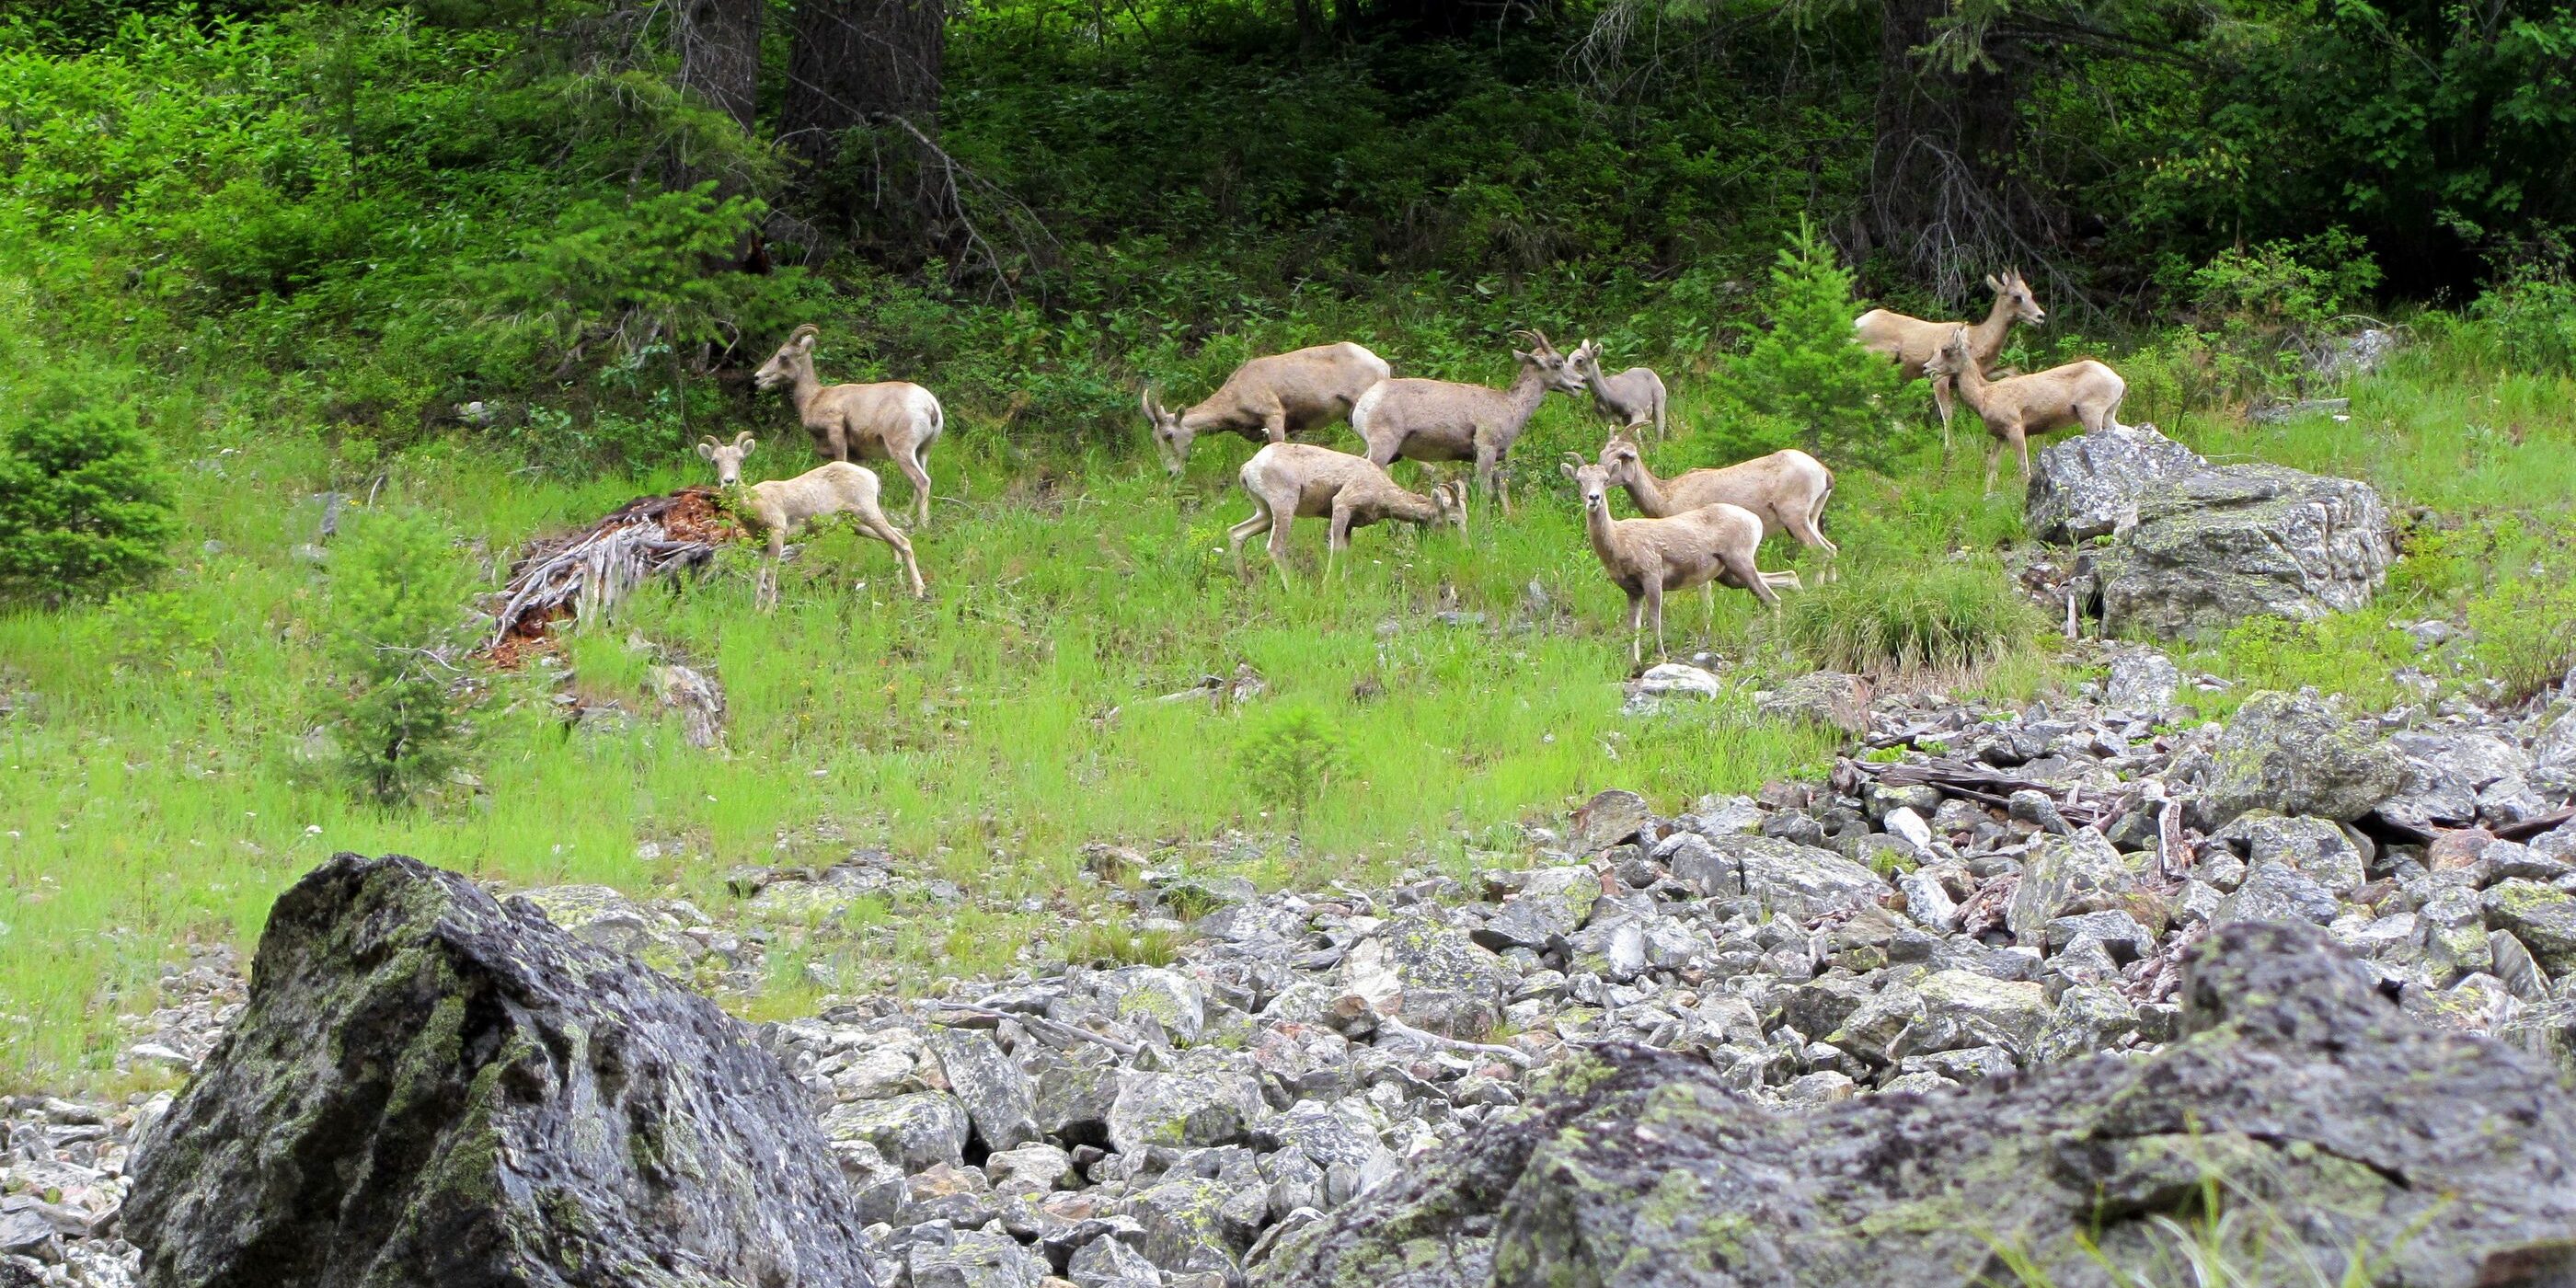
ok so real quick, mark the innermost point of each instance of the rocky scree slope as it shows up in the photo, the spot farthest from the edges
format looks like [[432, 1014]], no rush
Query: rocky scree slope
[[1985, 895]]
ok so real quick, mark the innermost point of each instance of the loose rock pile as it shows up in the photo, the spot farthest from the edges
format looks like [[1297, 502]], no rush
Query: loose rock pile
[[1976, 892]]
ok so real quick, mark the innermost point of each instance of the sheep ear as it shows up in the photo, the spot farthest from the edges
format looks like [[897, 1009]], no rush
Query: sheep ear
[[706, 449], [1993, 282], [748, 443], [806, 342]]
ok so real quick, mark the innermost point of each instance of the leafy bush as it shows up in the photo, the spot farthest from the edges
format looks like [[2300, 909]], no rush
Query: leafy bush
[[1120, 946], [2526, 634], [398, 601], [2347, 653], [2533, 316], [1950, 615], [1805, 376], [84, 507], [2266, 309], [1288, 756]]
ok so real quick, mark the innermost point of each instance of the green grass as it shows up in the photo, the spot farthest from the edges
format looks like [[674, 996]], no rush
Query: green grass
[[164, 788]]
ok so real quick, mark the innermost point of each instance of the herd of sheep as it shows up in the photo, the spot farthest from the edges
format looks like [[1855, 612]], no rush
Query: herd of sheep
[[1698, 530]]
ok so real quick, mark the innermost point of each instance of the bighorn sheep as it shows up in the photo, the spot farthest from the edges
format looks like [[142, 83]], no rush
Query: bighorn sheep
[[1441, 420], [892, 418], [2080, 393], [1786, 490], [1708, 547], [1632, 398], [1289, 481], [1913, 341], [780, 506], [1267, 399]]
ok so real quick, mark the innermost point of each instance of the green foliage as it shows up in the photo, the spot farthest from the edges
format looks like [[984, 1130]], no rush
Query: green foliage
[[1805, 377], [84, 506], [1101, 945], [2348, 653], [396, 594], [1287, 756], [2526, 634], [2532, 314], [2263, 310], [1892, 618]]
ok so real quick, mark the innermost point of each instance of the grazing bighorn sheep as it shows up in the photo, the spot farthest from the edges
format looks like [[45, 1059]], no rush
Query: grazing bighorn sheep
[[1912, 341], [781, 505], [1632, 398], [1442, 420], [1289, 481], [1786, 490], [1708, 547], [891, 418], [1267, 399], [2080, 393]]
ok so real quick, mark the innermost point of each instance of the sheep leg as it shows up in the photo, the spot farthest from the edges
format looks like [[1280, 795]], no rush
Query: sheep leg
[[1488, 462], [1740, 570], [1235, 536], [875, 525], [1274, 424], [920, 478], [1283, 517], [2021, 447], [1337, 537], [1943, 401], [1802, 525], [1636, 623], [1994, 460], [1655, 603]]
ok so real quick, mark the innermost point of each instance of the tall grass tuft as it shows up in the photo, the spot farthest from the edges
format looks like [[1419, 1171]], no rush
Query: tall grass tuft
[[1944, 615]]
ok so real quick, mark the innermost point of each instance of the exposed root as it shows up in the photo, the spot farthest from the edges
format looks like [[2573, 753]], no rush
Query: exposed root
[[585, 574]]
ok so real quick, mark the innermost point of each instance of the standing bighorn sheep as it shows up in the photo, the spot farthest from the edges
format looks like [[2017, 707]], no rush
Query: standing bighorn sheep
[[892, 418], [1289, 481], [1786, 490], [1442, 420], [1708, 547], [1911, 341], [1267, 399], [1630, 399], [780, 506], [2080, 393]]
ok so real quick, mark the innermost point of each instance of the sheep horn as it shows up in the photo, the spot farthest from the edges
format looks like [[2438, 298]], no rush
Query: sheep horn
[[1543, 342], [1145, 399], [803, 331], [738, 438]]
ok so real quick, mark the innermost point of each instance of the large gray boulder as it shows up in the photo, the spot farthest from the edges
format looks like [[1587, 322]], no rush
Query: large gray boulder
[[2089, 486], [2297, 753], [2296, 1084], [1430, 976], [2241, 541], [431, 1087]]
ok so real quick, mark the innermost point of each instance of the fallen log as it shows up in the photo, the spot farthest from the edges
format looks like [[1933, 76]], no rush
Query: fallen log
[[584, 574]]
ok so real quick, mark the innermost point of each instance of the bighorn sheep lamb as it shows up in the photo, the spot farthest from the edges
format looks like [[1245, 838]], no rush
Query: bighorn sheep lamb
[[891, 419], [1708, 547], [1267, 399], [780, 506], [1786, 490], [2080, 393], [1913, 341], [1632, 398], [1442, 420], [1289, 481]]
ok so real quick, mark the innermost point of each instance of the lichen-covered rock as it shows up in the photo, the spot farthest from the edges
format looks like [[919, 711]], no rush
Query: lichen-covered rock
[[2297, 753], [2542, 917], [1552, 903], [1195, 1223], [2443, 774], [2295, 1079], [2230, 543], [1173, 999], [597, 914], [2089, 486], [2553, 752], [2317, 848], [974, 1259], [1106, 1262], [1607, 819], [2078, 873], [1821, 697], [430, 1087], [1429, 975], [1792, 880], [1181, 1110], [2275, 891], [914, 1132], [1000, 1101]]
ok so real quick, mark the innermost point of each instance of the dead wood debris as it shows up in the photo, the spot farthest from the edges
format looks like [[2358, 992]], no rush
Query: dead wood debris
[[587, 572]]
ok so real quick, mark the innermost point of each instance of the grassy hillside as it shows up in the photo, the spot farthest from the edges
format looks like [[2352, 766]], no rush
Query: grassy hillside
[[169, 774]]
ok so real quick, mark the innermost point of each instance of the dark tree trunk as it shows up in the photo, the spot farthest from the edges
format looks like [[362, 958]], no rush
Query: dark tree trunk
[[719, 44], [862, 111], [857, 61], [1945, 198]]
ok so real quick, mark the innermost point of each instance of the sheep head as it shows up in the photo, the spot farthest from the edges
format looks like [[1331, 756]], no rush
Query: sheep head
[[2012, 290], [1551, 365], [1171, 437], [1591, 482], [1621, 461], [1952, 357], [1450, 499], [728, 460], [792, 359]]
